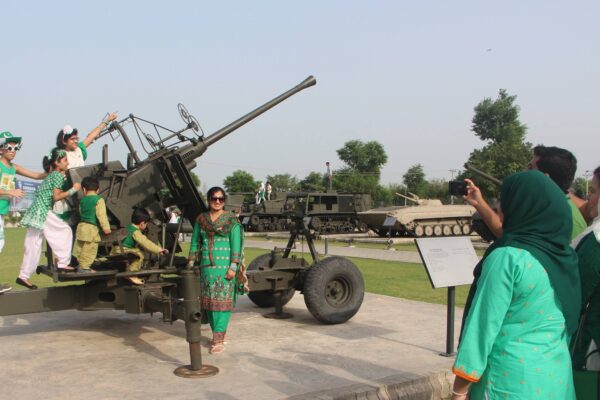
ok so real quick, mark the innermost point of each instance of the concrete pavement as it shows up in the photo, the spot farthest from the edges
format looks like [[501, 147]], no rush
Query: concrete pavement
[[388, 350]]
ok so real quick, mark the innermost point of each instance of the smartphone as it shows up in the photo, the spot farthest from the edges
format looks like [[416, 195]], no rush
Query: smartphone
[[457, 188]]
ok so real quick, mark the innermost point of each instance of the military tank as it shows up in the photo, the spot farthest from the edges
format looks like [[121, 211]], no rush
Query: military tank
[[331, 212], [428, 217]]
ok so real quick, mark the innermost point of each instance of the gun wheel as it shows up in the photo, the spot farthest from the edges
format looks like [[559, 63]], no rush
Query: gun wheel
[[333, 290], [265, 298]]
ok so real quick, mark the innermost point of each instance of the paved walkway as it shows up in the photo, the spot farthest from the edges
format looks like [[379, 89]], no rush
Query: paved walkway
[[388, 349], [361, 252]]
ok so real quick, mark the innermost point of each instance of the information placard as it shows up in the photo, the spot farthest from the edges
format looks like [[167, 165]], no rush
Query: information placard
[[449, 261]]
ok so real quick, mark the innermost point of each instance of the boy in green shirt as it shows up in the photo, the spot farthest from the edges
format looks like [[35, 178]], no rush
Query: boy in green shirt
[[93, 217], [136, 243]]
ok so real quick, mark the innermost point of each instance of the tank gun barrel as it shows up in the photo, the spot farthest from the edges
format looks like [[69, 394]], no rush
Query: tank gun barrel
[[194, 150], [414, 200], [484, 175]]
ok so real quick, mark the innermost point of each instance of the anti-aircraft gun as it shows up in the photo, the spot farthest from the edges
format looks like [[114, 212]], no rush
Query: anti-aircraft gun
[[333, 287], [171, 287]]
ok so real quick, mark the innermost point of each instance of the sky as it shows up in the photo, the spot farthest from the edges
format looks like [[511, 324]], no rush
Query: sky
[[404, 73]]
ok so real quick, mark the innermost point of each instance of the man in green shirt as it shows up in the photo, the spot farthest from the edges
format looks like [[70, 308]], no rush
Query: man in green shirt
[[559, 164]]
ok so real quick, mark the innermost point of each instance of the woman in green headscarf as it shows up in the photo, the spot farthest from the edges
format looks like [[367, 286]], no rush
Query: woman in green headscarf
[[524, 302]]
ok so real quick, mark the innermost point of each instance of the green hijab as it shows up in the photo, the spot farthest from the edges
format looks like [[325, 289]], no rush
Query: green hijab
[[537, 218]]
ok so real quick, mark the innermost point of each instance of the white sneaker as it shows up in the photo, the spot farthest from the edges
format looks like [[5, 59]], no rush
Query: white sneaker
[[5, 287]]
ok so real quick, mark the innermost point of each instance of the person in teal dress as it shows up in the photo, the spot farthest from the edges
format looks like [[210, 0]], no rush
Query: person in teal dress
[[587, 246], [525, 301], [217, 247]]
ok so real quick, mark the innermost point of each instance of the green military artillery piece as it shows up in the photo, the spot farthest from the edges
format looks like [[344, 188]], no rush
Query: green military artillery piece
[[333, 287], [171, 288]]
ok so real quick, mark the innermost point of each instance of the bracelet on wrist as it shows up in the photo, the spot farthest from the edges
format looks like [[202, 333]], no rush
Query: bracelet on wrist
[[459, 394]]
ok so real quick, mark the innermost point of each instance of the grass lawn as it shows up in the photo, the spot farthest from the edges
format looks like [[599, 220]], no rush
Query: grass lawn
[[334, 242], [406, 280]]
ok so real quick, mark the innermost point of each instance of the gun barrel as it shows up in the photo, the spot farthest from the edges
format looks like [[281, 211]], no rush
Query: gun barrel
[[414, 200], [221, 133], [195, 150], [485, 175]]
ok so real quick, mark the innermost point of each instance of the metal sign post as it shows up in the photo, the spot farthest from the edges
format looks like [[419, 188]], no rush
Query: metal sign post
[[449, 262]]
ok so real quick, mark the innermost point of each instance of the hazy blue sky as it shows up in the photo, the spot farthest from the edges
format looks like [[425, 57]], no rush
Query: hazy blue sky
[[406, 74]]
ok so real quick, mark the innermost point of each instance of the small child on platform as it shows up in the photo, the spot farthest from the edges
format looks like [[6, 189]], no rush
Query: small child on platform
[[93, 217], [41, 222], [136, 242]]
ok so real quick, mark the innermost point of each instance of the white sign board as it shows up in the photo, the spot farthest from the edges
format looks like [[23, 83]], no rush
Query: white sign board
[[449, 261]]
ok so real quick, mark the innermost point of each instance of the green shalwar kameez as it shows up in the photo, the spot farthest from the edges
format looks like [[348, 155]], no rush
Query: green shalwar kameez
[[217, 247], [524, 303], [514, 342], [588, 251]]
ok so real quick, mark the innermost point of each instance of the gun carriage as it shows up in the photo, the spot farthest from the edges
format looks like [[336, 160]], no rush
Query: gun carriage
[[156, 182]]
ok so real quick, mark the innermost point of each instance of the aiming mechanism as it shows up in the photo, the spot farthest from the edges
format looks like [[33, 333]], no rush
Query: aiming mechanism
[[171, 288]]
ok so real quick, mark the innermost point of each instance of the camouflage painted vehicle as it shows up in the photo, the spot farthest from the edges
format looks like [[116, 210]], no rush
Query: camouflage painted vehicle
[[429, 217], [331, 212]]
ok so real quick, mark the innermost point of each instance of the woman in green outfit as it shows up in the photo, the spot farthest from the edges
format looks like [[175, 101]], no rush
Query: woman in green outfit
[[525, 301], [587, 246], [217, 247]]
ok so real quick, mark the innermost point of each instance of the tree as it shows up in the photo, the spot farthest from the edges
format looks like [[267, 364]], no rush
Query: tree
[[414, 179], [240, 181], [581, 186], [362, 170], [506, 152], [438, 189], [314, 182], [195, 180], [352, 181], [498, 120], [363, 157], [283, 182]]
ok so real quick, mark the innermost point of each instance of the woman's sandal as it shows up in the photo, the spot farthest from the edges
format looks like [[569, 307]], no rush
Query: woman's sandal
[[217, 348], [28, 285]]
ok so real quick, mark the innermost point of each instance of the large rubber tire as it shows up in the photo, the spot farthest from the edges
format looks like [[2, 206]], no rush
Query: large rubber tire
[[437, 230], [264, 298], [333, 290], [447, 230], [428, 230]]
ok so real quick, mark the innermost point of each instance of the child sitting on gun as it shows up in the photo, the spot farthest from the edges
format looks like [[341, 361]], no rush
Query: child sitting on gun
[[93, 217], [136, 242]]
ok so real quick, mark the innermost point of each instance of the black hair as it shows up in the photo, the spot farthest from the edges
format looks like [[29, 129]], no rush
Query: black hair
[[140, 215], [597, 173], [49, 161], [90, 183], [214, 190], [559, 164], [61, 138]]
